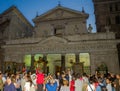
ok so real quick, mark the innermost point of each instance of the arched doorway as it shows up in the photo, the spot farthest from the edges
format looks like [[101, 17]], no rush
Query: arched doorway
[[102, 68]]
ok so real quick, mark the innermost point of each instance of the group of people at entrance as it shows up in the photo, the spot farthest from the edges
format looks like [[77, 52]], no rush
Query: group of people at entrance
[[60, 81]]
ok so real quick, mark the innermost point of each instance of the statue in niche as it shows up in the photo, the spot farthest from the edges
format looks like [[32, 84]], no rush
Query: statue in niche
[[90, 28], [41, 64]]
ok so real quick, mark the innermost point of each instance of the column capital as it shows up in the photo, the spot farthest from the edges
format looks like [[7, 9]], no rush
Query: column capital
[[77, 58]]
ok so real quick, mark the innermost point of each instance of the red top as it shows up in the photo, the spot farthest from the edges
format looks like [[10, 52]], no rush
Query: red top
[[72, 87], [96, 84], [40, 77]]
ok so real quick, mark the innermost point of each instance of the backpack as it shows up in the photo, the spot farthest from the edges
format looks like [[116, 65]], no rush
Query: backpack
[[103, 88]]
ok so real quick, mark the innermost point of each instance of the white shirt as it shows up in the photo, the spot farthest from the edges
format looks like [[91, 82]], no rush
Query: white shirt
[[78, 85], [27, 86], [4, 79], [109, 87], [64, 88], [90, 87]]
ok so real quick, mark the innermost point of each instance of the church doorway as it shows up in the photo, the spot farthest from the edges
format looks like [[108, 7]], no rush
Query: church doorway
[[55, 62]]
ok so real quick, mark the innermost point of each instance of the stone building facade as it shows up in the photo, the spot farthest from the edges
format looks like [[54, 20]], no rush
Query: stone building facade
[[63, 31], [13, 25], [107, 13]]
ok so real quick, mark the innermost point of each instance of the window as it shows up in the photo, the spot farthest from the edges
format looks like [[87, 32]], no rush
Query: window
[[58, 30], [116, 7], [117, 19], [109, 21], [111, 8]]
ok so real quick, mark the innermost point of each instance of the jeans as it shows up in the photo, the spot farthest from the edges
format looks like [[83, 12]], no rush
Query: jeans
[[40, 87]]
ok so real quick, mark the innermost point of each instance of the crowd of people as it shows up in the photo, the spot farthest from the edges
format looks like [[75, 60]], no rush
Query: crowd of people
[[60, 81]]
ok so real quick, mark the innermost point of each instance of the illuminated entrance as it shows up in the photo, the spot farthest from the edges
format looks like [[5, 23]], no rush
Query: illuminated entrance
[[56, 62]]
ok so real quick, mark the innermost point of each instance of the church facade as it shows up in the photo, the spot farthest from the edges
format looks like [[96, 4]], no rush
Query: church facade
[[62, 31]]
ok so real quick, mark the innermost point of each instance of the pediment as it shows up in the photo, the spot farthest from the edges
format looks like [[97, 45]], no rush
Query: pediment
[[53, 41], [60, 13]]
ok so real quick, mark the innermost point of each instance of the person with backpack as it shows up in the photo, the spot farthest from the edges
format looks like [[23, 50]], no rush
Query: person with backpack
[[91, 86], [101, 86]]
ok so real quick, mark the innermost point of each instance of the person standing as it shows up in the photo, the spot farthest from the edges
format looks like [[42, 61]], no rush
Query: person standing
[[51, 85], [1, 82], [29, 85], [109, 86], [9, 86], [72, 84], [65, 86], [91, 86], [117, 83], [78, 83], [40, 79], [18, 82]]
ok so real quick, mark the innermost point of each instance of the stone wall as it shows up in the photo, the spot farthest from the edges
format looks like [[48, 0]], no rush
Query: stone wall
[[100, 50]]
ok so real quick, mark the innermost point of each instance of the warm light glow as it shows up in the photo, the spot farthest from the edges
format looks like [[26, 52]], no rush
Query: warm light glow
[[85, 57], [27, 60], [36, 57]]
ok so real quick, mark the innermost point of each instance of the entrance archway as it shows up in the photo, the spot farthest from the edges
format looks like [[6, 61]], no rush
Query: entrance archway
[[54, 61], [102, 68]]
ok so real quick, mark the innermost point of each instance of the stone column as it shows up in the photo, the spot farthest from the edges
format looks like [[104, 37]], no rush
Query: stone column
[[62, 62], [45, 63], [93, 62], [77, 58], [32, 62]]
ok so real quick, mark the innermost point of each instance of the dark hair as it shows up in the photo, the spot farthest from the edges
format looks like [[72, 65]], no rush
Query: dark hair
[[29, 80], [100, 80], [91, 80], [78, 75], [84, 74]]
